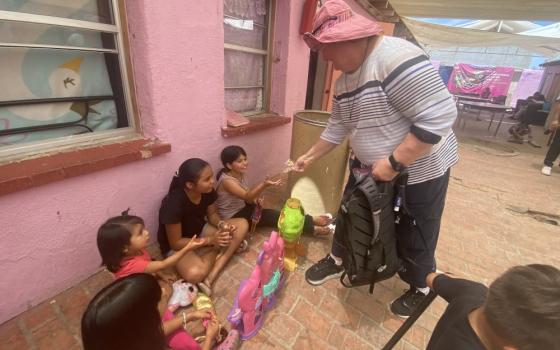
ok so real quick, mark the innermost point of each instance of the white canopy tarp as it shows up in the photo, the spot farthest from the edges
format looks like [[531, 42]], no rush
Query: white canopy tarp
[[511, 27], [434, 36], [527, 10], [551, 31]]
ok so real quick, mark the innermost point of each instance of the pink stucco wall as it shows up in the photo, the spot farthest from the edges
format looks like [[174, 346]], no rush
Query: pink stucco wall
[[48, 233]]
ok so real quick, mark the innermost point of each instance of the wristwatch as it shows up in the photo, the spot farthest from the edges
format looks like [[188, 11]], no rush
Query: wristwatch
[[398, 167]]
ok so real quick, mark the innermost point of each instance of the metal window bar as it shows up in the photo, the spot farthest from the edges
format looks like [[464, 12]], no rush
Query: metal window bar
[[242, 19], [57, 47], [58, 21], [82, 122], [123, 64], [244, 87], [246, 49]]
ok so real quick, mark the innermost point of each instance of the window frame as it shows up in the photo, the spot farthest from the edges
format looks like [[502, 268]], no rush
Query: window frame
[[267, 73], [122, 50]]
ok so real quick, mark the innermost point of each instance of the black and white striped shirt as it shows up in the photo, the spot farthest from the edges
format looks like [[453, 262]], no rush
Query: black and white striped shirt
[[396, 91]]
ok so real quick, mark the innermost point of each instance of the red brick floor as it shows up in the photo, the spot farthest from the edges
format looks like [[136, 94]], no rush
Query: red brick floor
[[482, 234]]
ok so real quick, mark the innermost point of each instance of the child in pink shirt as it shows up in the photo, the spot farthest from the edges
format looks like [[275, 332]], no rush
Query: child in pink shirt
[[122, 244]]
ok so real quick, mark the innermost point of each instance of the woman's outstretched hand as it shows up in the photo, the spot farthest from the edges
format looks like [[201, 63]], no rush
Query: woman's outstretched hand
[[301, 164]]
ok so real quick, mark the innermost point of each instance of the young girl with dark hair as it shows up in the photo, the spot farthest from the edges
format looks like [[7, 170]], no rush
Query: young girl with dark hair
[[122, 242], [237, 200], [125, 315], [188, 210]]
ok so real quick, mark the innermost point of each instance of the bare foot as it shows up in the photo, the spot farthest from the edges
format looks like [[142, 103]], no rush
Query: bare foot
[[322, 231], [243, 246], [322, 220], [206, 287]]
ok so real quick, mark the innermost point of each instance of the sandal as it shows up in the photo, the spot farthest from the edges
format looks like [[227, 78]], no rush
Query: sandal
[[243, 246], [230, 342], [205, 288], [222, 334], [224, 340]]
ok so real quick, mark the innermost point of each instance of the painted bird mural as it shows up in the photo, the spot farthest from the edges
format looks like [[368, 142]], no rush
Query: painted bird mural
[[33, 74]]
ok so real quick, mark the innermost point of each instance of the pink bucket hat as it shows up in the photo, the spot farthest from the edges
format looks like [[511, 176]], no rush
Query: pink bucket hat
[[335, 21]]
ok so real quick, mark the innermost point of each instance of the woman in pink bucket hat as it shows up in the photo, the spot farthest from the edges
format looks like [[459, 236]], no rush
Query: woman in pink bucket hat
[[336, 22], [397, 113]]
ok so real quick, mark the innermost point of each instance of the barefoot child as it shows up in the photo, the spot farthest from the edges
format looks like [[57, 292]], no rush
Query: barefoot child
[[188, 210], [237, 200], [122, 242]]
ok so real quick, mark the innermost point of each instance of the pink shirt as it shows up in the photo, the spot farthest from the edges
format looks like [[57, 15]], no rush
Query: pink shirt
[[134, 264], [180, 339]]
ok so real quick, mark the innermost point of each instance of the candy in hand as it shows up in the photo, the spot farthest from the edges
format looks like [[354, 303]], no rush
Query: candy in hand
[[289, 166]]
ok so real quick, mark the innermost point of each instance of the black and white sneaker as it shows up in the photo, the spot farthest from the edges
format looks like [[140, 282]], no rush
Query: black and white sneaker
[[405, 305], [323, 270]]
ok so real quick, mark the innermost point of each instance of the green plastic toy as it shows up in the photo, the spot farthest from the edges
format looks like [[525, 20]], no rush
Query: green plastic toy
[[290, 223]]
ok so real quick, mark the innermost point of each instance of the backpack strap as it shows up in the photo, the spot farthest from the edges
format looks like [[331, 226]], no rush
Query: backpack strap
[[400, 188], [367, 185]]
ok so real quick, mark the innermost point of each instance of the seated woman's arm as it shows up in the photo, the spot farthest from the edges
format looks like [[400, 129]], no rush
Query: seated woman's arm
[[178, 242], [175, 236], [212, 215]]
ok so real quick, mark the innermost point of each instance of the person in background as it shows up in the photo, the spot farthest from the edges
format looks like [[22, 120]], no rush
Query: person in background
[[554, 149], [527, 116]]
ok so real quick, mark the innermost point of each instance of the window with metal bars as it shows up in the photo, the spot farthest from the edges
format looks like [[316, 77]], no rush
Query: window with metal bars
[[247, 36], [63, 74]]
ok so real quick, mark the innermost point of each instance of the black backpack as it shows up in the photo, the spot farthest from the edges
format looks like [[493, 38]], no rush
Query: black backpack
[[366, 219]]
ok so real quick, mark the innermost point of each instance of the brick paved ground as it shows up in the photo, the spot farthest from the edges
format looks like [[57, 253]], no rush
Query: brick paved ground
[[483, 233]]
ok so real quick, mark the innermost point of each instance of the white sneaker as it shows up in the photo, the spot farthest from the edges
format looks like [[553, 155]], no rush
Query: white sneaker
[[546, 170]]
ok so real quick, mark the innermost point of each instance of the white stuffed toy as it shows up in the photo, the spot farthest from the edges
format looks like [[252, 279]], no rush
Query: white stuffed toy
[[183, 295]]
